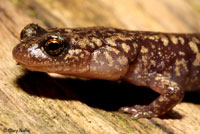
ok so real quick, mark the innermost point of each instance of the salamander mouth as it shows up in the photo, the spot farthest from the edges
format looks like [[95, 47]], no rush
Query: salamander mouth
[[38, 68], [28, 62], [30, 65]]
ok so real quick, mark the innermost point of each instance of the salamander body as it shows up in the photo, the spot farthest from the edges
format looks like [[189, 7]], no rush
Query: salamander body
[[167, 63]]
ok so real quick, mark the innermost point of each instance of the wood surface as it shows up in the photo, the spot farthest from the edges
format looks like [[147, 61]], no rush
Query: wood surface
[[38, 103]]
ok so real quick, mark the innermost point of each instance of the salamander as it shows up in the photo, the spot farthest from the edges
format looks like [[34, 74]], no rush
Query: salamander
[[167, 63]]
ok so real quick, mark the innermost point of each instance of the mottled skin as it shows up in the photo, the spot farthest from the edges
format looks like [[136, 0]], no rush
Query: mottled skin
[[166, 63]]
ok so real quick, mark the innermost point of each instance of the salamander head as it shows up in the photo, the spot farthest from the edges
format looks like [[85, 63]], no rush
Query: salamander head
[[53, 50]]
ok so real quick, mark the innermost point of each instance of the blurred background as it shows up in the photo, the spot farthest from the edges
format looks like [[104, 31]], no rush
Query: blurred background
[[162, 15]]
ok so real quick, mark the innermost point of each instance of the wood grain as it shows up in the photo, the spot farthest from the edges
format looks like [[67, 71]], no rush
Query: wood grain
[[40, 103]]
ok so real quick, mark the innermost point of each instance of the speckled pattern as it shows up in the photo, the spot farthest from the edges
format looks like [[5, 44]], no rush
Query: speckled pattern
[[167, 63]]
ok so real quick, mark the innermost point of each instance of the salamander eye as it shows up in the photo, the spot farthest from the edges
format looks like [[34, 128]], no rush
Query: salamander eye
[[54, 47]]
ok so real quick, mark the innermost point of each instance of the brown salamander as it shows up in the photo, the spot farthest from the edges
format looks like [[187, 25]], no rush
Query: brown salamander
[[167, 63]]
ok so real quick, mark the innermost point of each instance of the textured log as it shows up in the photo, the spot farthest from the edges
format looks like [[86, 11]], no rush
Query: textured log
[[41, 103]]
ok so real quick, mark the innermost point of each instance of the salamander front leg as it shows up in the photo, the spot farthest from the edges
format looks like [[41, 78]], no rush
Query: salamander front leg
[[171, 94]]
